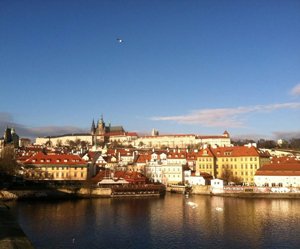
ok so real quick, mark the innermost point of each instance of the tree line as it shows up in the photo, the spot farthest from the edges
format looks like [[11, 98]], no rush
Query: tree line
[[293, 143]]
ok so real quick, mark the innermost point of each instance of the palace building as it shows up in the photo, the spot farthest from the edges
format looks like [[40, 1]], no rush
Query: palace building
[[181, 140]]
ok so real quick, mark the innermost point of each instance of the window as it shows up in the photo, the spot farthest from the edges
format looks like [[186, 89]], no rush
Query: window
[[81, 174]]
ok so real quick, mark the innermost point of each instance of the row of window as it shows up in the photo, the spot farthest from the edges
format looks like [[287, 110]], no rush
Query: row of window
[[227, 159], [57, 160], [62, 168]]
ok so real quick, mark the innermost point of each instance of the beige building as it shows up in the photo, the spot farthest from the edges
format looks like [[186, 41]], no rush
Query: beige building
[[55, 167], [240, 161], [181, 141]]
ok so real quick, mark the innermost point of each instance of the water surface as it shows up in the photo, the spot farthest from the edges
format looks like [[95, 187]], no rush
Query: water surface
[[170, 222]]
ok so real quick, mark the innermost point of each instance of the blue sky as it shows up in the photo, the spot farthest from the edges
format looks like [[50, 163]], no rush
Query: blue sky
[[185, 67]]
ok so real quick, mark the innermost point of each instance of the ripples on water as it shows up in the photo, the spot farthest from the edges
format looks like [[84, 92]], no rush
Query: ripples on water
[[161, 223]]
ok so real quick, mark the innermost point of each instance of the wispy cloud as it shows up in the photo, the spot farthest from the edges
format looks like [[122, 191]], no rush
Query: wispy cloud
[[225, 117], [286, 135], [33, 132], [295, 90], [6, 117]]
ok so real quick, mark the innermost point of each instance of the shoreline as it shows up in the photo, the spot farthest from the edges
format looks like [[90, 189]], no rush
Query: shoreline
[[11, 234], [65, 195]]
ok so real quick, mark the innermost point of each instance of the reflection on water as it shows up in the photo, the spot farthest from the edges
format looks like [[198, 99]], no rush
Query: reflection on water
[[161, 223]]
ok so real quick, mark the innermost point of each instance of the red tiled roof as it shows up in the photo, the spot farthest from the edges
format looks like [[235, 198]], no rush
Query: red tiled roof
[[287, 168], [143, 158], [180, 135], [176, 155], [41, 158]]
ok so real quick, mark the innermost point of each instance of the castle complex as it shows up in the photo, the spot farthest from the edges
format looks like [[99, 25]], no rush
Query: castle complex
[[99, 133]]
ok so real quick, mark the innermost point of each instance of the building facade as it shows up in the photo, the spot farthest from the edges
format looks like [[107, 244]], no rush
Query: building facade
[[55, 168], [241, 162]]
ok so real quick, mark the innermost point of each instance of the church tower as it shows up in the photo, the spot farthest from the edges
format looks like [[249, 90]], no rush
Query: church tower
[[153, 132], [101, 130], [93, 128]]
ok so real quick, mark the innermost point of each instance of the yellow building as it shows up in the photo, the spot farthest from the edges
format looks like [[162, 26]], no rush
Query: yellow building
[[55, 167], [240, 162]]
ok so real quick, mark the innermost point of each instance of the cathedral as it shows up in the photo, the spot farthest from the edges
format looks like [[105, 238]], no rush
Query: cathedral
[[100, 129]]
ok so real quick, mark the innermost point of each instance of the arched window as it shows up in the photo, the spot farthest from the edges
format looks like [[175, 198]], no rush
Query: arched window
[[280, 184], [266, 184]]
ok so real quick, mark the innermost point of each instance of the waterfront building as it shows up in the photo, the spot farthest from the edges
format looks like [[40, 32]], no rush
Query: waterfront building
[[55, 168], [217, 185], [172, 174], [280, 172], [241, 161], [201, 178], [115, 177]]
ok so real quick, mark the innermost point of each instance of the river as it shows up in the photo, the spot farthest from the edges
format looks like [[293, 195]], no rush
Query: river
[[170, 222]]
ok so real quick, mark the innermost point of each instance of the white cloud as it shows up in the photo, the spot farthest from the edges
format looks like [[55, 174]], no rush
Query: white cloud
[[295, 90], [226, 117]]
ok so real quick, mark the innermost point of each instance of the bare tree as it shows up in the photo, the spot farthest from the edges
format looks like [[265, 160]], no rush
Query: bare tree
[[8, 162], [227, 175], [36, 173], [59, 143]]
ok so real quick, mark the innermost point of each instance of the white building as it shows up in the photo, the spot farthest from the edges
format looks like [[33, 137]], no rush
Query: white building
[[283, 172], [200, 178]]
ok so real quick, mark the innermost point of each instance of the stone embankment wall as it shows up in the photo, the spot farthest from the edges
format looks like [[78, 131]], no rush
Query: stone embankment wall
[[54, 194], [86, 192], [175, 189], [11, 234], [199, 189]]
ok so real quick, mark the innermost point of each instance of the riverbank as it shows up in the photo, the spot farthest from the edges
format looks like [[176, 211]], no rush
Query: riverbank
[[100, 192], [259, 195], [11, 234]]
